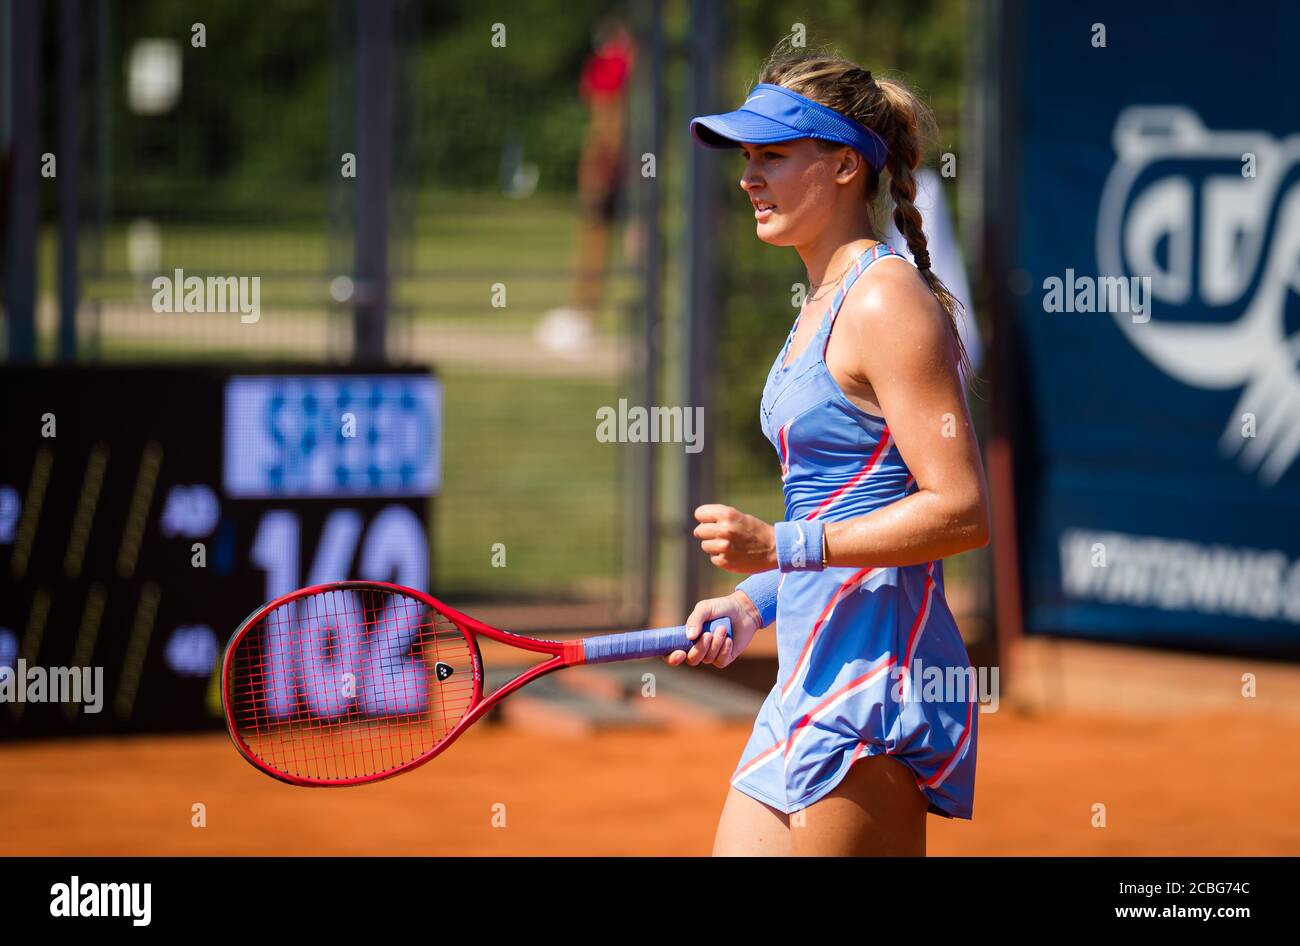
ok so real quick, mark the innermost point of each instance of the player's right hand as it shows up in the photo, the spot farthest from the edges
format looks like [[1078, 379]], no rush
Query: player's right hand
[[718, 649]]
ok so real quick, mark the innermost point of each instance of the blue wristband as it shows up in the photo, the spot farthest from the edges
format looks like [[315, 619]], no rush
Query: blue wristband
[[799, 545], [761, 589]]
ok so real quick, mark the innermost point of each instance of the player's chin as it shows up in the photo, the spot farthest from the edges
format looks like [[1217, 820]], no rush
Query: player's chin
[[773, 234]]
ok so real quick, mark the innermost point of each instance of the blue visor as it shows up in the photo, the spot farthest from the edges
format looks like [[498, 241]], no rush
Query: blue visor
[[773, 113]]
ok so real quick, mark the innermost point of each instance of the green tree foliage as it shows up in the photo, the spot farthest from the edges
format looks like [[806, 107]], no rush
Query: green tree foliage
[[272, 94]]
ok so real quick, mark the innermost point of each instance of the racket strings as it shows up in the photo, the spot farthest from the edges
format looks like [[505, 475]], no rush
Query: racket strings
[[349, 684]]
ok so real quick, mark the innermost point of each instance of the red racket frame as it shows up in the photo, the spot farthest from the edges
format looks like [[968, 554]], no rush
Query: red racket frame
[[563, 654]]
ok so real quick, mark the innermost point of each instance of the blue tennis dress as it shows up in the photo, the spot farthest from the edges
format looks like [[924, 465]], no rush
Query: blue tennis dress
[[859, 649]]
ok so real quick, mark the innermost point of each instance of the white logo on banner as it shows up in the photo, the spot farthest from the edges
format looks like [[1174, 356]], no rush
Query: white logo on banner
[[1245, 254]]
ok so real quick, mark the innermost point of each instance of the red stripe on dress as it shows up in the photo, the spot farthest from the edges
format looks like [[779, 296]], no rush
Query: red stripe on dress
[[861, 575], [922, 619], [935, 780], [783, 442], [758, 761], [821, 708], [873, 463]]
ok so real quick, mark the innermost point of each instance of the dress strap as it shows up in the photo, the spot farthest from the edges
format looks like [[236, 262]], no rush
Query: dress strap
[[860, 266], [838, 298]]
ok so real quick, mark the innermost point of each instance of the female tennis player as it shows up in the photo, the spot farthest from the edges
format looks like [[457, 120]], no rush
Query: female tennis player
[[855, 744]]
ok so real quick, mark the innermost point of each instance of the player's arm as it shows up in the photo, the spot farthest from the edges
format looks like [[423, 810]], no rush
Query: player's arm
[[903, 350]]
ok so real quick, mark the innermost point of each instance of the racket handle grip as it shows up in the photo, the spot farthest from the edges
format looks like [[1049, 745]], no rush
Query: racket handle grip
[[659, 642]]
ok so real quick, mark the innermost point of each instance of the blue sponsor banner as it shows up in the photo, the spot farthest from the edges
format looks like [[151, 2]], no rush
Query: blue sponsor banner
[[1156, 281]]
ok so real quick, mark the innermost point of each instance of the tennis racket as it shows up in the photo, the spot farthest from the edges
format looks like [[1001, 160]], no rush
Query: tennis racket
[[357, 681]]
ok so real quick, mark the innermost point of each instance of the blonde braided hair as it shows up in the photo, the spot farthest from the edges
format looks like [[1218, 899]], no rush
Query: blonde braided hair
[[897, 115]]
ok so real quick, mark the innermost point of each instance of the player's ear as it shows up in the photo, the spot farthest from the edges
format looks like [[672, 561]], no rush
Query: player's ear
[[842, 162]]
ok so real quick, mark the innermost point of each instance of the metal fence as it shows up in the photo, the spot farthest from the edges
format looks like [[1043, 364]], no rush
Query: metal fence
[[255, 153], [403, 180]]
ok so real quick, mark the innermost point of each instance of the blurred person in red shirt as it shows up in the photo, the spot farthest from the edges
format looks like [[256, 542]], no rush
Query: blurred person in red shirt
[[604, 86]]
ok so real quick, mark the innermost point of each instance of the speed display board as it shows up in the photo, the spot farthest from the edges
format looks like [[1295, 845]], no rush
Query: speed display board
[[146, 510]]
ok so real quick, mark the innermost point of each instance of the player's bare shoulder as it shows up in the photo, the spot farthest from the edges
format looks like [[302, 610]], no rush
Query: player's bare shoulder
[[892, 314]]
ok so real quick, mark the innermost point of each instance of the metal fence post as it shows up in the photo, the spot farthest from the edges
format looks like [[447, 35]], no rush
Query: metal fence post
[[374, 150], [652, 273], [701, 292], [24, 90], [69, 172]]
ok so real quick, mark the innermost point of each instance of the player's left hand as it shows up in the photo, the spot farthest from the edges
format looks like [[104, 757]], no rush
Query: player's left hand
[[713, 648], [734, 540]]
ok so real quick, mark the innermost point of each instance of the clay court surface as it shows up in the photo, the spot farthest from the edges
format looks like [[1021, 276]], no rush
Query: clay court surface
[[1182, 763]]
